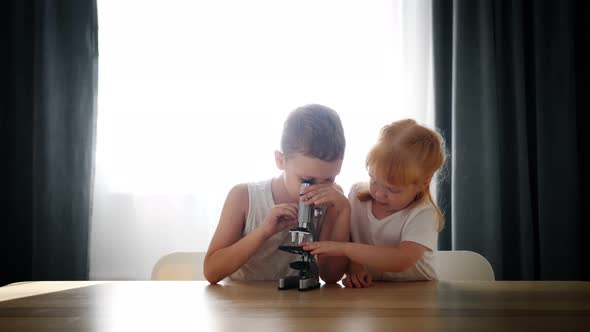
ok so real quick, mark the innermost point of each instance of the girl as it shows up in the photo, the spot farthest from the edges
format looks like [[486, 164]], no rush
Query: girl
[[394, 221]]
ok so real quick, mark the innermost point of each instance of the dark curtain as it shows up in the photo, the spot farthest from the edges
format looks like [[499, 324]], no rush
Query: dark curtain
[[48, 69], [511, 80]]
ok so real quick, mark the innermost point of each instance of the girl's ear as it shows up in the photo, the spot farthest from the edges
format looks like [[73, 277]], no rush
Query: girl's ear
[[280, 160]]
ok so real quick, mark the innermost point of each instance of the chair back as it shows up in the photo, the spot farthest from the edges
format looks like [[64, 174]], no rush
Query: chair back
[[180, 266], [462, 265]]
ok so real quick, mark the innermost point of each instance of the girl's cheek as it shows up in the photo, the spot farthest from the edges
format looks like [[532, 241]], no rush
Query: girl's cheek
[[372, 189]]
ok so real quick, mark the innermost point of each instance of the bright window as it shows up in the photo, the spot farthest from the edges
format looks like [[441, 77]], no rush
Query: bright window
[[193, 95]]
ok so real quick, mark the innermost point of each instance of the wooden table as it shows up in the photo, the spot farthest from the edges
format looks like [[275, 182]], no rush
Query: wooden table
[[258, 306]]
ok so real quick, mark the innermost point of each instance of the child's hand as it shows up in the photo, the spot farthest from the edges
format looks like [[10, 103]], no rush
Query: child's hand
[[326, 248], [360, 279], [327, 193], [357, 276], [279, 218]]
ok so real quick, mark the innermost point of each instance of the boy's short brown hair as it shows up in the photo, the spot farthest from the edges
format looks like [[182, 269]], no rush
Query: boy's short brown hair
[[314, 131]]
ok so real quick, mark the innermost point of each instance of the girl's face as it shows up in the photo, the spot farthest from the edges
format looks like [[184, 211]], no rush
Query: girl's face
[[298, 168], [392, 198]]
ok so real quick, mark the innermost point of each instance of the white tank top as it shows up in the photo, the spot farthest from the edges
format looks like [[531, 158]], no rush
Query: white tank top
[[269, 263]]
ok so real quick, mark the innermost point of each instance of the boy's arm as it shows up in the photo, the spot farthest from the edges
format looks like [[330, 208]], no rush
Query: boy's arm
[[336, 228], [228, 251]]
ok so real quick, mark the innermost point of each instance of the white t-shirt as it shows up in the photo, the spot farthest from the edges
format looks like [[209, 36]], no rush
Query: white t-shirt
[[417, 223]]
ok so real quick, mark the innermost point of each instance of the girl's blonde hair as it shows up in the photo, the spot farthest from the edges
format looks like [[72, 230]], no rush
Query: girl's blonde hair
[[407, 153]]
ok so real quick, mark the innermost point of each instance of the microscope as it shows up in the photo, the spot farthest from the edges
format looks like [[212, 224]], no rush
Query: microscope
[[307, 276]]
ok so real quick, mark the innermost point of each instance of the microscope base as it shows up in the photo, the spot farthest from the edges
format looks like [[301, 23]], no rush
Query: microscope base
[[301, 283]]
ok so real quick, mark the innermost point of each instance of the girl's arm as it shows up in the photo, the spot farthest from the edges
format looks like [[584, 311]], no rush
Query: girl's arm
[[228, 251], [388, 259]]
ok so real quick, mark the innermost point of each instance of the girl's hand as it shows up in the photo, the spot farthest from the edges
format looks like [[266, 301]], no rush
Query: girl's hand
[[326, 248], [361, 279], [357, 276], [330, 194], [279, 218]]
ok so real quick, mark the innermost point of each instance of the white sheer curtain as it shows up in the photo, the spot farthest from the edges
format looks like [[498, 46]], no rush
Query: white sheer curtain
[[193, 94]]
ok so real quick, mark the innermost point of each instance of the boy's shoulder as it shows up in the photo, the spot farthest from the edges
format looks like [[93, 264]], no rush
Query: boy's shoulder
[[238, 195], [241, 193], [245, 187], [262, 185], [239, 188]]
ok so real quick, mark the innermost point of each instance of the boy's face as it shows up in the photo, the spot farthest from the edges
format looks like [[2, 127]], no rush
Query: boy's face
[[298, 168]]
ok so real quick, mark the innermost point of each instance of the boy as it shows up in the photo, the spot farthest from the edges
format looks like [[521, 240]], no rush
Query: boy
[[256, 217]]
